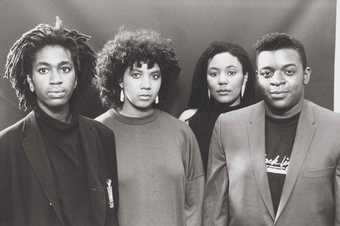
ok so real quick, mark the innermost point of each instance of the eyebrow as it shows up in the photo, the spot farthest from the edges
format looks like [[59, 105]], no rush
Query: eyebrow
[[230, 66], [47, 64]]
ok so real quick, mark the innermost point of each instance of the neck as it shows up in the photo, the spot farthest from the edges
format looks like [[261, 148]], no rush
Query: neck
[[61, 114], [282, 114], [135, 113]]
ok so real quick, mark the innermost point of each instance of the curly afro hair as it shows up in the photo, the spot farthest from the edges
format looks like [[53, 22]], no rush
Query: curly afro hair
[[22, 54], [127, 48]]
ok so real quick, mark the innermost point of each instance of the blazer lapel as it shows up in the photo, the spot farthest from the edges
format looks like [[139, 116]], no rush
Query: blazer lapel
[[256, 133], [89, 141], [36, 154], [304, 135]]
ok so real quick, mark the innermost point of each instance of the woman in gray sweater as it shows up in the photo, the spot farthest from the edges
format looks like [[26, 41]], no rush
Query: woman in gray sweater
[[161, 179]]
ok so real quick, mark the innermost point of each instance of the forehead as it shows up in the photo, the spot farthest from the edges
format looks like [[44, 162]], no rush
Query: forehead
[[223, 60], [278, 58], [52, 54]]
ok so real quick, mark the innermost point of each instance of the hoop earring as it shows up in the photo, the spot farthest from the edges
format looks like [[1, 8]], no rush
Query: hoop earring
[[157, 100], [122, 96], [208, 93]]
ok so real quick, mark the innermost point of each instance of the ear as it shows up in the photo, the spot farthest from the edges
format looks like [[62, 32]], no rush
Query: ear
[[306, 75], [30, 83]]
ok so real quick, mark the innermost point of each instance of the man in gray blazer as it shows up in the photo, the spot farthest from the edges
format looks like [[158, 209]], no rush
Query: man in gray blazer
[[276, 162]]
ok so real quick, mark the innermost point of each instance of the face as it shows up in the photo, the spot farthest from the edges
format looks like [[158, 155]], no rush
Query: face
[[282, 78], [140, 86], [225, 78], [53, 78]]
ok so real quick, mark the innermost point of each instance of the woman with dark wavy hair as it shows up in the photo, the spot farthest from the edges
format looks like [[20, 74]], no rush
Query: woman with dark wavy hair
[[161, 179], [223, 81]]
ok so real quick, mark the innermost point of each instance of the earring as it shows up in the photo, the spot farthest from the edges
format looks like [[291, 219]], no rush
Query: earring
[[122, 96], [157, 100], [243, 88], [31, 87], [208, 93]]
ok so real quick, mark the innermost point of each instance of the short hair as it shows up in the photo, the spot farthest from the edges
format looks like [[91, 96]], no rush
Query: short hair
[[129, 47], [22, 55], [199, 87], [276, 41]]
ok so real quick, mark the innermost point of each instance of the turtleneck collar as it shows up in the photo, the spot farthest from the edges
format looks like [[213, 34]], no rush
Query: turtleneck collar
[[50, 122], [136, 120], [215, 108]]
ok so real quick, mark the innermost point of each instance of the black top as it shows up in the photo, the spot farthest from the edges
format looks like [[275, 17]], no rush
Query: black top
[[202, 124], [66, 156], [279, 138]]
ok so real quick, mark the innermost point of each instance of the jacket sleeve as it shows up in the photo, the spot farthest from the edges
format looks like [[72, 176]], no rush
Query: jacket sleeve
[[337, 194], [216, 191], [194, 184]]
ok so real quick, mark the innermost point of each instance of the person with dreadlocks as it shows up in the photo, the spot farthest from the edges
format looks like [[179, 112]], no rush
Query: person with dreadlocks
[[161, 178], [57, 167]]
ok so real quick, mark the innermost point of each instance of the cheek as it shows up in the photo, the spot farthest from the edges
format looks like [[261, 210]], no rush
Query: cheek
[[212, 84], [236, 83]]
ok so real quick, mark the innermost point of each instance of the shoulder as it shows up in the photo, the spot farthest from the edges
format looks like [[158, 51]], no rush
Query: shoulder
[[174, 125], [323, 114], [99, 127], [187, 114], [106, 116], [243, 113], [12, 136]]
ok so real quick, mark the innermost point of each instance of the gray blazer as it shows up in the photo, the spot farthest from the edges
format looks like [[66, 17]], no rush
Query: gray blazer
[[237, 191]]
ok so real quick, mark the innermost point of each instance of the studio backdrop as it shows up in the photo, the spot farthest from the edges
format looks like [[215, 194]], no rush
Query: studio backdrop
[[191, 24]]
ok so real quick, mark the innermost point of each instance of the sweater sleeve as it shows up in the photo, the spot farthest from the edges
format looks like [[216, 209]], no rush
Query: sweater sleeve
[[216, 200], [194, 184]]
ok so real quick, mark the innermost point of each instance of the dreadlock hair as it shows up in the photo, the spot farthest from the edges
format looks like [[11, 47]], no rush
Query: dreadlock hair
[[22, 55], [127, 48], [199, 91]]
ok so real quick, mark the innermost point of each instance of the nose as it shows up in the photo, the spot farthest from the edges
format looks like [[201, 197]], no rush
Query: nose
[[278, 78], [55, 77], [146, 83], [222, 78]]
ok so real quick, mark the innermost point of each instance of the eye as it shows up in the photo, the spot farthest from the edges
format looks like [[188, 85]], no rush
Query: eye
[[66, 69], [43, 70], [212, 73], [136, 75], [266, 73], [156, 76], [289, 72], [231, 73]]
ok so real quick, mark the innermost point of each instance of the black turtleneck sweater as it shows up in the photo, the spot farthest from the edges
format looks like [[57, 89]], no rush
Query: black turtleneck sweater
[[202, 124], [279, 138], [65, 153]]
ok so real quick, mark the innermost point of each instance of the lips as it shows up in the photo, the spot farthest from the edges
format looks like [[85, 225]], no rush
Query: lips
[[56, 93], [145, 96], [278, 94], [223, 91]]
